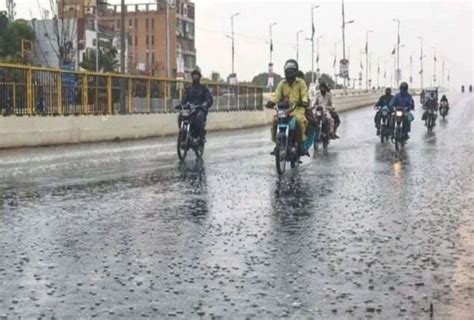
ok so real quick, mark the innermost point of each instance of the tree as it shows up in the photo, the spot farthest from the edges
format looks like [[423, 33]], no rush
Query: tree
[[262, 79], [108, 61], [11, 34]]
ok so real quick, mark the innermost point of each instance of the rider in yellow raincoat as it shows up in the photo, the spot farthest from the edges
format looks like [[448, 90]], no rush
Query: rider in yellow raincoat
[[293, 90]]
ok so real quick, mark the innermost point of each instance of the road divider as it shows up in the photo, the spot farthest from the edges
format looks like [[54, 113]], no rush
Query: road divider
[[31, 131]]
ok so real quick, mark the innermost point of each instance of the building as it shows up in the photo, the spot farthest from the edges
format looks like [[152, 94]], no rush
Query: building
[[145, 26], [186, 49]]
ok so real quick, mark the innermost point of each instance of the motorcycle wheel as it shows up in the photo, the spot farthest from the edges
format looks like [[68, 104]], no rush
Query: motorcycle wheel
[[398, 139], [182, 150], [280, 154], [325, 143], [295, 161]]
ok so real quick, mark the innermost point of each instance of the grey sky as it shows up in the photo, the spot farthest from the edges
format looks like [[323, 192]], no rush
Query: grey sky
[[446, 25]]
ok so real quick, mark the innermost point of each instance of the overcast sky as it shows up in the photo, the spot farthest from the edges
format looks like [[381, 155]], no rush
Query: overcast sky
[[446, 25]]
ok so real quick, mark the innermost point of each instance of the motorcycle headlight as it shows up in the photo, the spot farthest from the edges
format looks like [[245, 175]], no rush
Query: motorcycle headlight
[[185, 113], [384, 112], [282, 114], [319, 113], [399, 113]]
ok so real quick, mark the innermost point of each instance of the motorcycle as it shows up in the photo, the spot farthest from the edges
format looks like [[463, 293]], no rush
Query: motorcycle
[[399, 129], [443, 109], [385, 124], [287, 148], [321, 134], [188, 136], [430, 120], [462, 89]]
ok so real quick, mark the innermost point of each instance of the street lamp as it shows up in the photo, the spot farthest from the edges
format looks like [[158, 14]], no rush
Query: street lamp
[[233, 40], [398, 73], [271, 41], [298, 45], [434, 66], [421, 62], [312, 41], [344, 23], [367, 59]]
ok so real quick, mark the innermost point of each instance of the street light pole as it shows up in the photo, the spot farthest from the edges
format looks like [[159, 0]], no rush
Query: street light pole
[[397, 72], [312, 41], [317, 62], [298, 46], [232, 38], [421, 63], [434, 67], [271, 41], [167, 39], [442, 75], [344, 40], [367, 59]]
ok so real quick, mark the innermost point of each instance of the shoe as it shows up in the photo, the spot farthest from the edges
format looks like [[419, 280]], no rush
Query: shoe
[[273, 152], [378, 131], [336, 136]]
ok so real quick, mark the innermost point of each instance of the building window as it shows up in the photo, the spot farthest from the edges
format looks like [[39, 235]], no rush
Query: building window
[[118, 24], [153, 24], [146, 40], [130, 22], [152, 40], [152, 58], [146, 24], [136, 41], [136, 24], [130, 40]]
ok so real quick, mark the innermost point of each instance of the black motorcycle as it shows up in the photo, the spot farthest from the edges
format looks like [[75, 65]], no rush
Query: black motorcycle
[[322, 129], [430, 119], [385, 123], [287, 147], [399, 127], [189, 136], [443, 109]]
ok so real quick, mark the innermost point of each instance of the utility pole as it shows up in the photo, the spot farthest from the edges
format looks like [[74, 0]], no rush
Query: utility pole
[[298, 46], [411, 69], [398, 71], [434, 67], [122, 55], [168, 71], [313, 30], [378, 73], [317, 57], [232, 37], [421, 63], [344, 40], [96, 26], [442, 75], [271, 41], [367, 59]]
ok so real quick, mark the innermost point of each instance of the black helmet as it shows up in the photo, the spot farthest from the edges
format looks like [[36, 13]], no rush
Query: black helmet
[[291, 68], [388, 90], [404, 87], [196, 71]]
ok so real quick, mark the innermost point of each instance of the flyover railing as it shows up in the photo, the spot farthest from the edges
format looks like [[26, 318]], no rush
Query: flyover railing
[[26, 90]]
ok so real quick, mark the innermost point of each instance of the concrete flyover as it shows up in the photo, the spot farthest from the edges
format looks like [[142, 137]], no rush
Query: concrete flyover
[[30, 131]]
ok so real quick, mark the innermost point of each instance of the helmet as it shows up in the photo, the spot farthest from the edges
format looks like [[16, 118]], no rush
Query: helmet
[[196, 71], [404, 87], [291, 68], [388, 90], [323, 85]]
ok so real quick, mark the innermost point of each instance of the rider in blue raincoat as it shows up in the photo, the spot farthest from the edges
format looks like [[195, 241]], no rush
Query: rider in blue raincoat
[[405, 100]]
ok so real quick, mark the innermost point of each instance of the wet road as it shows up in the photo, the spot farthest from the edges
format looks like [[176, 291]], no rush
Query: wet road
[[122, 230]]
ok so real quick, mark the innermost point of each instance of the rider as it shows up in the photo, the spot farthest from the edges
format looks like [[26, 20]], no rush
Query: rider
[[470, 88], [383, 101], [324, 99], [293, 90], [405, 100], [445, 99], [198, 94], [431, 104]]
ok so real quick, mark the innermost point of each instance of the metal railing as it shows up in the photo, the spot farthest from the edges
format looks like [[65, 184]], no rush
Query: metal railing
[[26, 90]]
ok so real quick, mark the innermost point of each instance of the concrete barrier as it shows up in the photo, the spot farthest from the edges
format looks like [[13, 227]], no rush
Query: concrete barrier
[[24, 131]]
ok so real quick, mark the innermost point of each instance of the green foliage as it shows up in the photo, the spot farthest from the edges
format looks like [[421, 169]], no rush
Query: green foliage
[[108, 61], [11, 34], [262, 79]]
